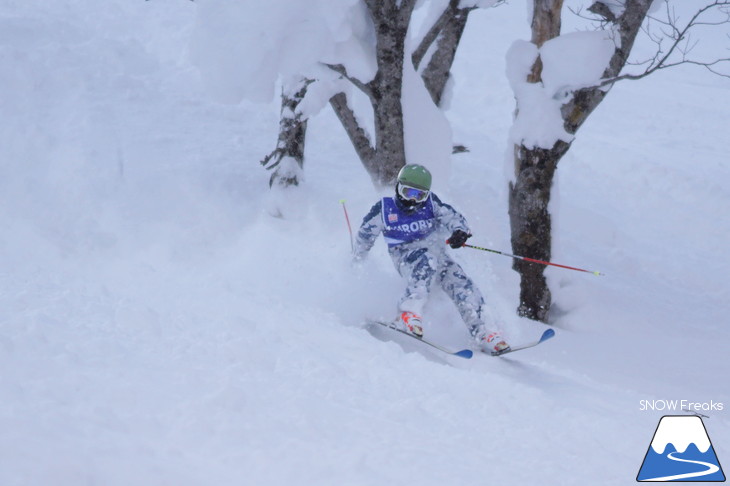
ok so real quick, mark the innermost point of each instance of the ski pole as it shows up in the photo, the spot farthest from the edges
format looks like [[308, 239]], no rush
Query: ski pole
[[349, 227], [532, 260]]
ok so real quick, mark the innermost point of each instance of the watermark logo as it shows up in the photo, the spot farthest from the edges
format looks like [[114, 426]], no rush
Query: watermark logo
[[681, 405], [681, 451]]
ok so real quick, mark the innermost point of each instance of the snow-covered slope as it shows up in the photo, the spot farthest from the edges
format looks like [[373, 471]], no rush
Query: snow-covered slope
[[157, 326]]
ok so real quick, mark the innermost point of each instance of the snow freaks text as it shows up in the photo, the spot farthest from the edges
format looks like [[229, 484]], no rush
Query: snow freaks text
[[680, 405]]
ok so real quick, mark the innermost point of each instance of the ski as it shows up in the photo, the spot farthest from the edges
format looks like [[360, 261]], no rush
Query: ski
[[545, 336], [463, 353]]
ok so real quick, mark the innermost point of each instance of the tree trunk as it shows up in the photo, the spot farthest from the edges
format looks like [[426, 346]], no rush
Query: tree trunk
[[384, 156], [391, 19], [530, 223], [529, 195], [287, 159]]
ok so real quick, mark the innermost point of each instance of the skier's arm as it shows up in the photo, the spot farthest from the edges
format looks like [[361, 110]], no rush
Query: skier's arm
[[371, 227], [449, 217]]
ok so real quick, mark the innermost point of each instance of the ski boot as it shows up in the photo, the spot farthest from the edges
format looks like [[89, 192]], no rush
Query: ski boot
[[493, 343], [410, 322]]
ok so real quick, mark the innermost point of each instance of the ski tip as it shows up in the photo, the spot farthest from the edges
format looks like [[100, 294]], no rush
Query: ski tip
[[547, 335], [464, 353]]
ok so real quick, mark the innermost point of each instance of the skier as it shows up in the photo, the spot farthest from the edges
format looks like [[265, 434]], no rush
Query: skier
[[414, 223]]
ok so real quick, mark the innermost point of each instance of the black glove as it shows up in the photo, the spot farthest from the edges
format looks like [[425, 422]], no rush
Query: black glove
[[458, 238]]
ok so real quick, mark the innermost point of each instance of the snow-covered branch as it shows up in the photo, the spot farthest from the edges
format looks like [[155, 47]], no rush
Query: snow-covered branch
[[433, 33], [357, 134]]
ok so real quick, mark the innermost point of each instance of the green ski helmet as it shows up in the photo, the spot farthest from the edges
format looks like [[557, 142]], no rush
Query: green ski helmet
[[414, 185], [415, 175]]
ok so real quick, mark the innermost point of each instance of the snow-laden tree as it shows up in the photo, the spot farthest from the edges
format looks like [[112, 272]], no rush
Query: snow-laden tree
[[350, 53], [287, 159], [245, 49], [560, 79], [407, 89]]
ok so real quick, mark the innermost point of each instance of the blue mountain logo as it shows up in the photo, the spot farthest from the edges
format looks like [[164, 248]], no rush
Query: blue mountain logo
[[681, 451]]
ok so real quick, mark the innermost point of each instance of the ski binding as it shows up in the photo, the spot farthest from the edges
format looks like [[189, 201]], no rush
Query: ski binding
[[545, 336]]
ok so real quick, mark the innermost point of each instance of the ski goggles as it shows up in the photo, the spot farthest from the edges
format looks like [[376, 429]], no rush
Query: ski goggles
[[412, 193]]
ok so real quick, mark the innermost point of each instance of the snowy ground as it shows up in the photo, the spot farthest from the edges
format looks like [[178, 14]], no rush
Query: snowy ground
[[157, 326]]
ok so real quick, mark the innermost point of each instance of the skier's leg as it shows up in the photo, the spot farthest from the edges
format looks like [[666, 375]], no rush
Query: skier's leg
[[465, 295], [470, 303], [418, 268]]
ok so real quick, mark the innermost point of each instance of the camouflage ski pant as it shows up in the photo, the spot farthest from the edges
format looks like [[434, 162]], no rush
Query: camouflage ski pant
[[422, 268]]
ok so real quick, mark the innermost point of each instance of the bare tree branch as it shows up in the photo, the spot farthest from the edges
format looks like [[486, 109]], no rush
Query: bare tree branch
[[602, 10], [707, 65], [677, 39], [341, 70]]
